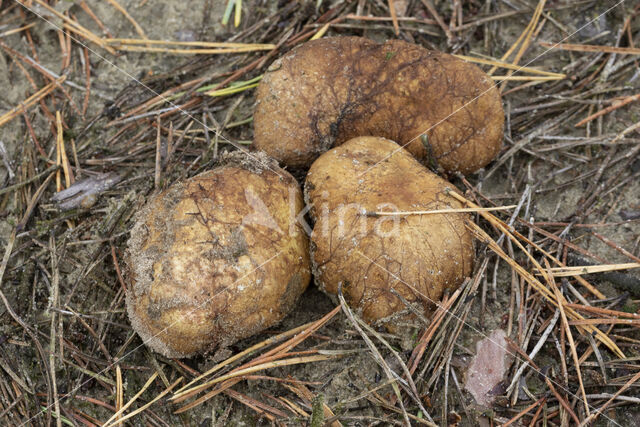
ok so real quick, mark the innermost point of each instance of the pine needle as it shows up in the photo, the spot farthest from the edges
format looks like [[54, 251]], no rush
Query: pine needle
[[144, 407], [133, 399], [236, 87], [242, 372], [238, 14], [30, 101], [525, 36], [439, 211], [509, 66], [227, 12], [480, 234], [225, 45], [321, 32], [572, 344], [592, 48], [74, 26], [129, 18], [590, 269]]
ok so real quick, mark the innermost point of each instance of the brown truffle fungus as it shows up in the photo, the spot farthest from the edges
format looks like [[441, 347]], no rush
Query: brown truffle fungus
[[327, 91], [217, 258], [417, 256]]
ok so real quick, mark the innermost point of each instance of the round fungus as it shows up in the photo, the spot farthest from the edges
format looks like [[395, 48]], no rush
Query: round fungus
[[217, 258], [445, 111], [384, 262]]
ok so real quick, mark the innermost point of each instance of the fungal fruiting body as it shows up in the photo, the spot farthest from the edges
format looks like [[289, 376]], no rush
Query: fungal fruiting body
[[382, 260], [217, 258], [443, 110]]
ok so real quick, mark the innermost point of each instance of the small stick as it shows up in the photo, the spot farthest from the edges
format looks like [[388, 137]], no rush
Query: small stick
[[610, 108], [88, 11], [74, 26], [117, 267], [55, 291], [58, 154], [293, 407], [87, 72], [68, 177], [321, 32], [13, 187], [602, 311], [534, 420], [189, 51], [524, 412], [299, 334], [231, 90], [532, 32], [227, 12], [615, 246], [394, 16], [133, 399], [589, 269], [260, 407], [17, 30], [144, 407], [93, 333], [418, 351], [67, 39], [32, 45], [524, 35], [169, 145], [221, 45], [238, 13], [240, 373], [304, 393], [509, 66], [562, 401], [374, 351], [157, 174], [48, 74], [565, 322], [625, 132], [88, 36], [536, 349], [119, 391], [434, 12], [439, 211], [120, 9], [386, 18], [509, 77], [63, 50], [606, 321], [592, 48], [284, 403], [600, 410], [30, 101], [159, 98]]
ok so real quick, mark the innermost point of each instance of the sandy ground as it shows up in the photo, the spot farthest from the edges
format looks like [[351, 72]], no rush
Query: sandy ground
[[555, 198]]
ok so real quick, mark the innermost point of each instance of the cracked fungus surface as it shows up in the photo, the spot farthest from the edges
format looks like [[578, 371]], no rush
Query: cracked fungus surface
[[330, 90], [215, 259], [416, 256]]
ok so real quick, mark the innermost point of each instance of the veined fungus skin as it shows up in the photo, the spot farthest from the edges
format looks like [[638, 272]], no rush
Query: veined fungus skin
[[217, 258], [384, 262], [445, 111]]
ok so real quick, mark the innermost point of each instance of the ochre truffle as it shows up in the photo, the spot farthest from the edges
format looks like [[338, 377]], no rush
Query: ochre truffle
[[416, 256], [443, 110], [217, 258]]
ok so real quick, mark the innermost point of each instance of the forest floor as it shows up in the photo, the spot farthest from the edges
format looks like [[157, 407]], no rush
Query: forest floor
[[81, 108]]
